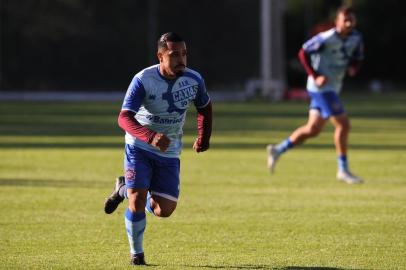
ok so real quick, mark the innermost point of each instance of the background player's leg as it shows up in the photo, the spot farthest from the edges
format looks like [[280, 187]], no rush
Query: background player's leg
[[342, 129], [312, 128]]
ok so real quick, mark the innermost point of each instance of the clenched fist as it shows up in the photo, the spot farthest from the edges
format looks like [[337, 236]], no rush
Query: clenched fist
[[200, 145], [161, 142]]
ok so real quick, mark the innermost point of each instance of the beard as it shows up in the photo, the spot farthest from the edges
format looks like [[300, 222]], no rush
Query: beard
[[180, 71]]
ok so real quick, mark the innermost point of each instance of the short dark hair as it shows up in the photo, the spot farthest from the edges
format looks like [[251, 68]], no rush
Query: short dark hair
[[345, 10], [168, 37]]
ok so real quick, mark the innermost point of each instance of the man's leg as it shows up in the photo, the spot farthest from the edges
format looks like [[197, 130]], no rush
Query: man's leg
[[164, 187], [342, 129], [135, 219], [160, 206], [156, 205], [138, 175], [135, 223], [312, 128]]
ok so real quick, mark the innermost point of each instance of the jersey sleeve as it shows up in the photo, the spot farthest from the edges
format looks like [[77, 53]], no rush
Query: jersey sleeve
[[314, 44], [202, 97], [134, 96], [358, 54], [304, 58]]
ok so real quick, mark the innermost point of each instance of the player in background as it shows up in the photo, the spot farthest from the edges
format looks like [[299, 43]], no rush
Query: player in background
[[326, 58], [152, 115]]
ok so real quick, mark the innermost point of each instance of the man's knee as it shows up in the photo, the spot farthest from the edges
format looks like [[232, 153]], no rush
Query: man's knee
[[164, 210], [344, 126], [347, 126], [136, 200], [163, 213]]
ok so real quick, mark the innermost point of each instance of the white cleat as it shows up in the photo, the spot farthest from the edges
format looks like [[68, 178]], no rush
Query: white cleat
[[348, 177], [273, 156]]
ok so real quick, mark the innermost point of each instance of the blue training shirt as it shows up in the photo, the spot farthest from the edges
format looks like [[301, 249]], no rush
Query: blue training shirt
[[160, 104], [330, 56]]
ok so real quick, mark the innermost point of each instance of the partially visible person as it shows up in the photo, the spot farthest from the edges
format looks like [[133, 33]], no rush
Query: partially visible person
[[327, 57], [153, 115]]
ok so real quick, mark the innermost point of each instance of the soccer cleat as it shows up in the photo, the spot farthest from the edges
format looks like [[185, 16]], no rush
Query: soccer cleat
[[348, 177], [273, 156], [138, 259], [112, 202]]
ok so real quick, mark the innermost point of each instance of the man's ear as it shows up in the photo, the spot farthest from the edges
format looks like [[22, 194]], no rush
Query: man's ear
[[159, 56]]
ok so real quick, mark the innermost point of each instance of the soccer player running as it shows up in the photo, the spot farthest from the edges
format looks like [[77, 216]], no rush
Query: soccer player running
[[152, 115], [326, 58]]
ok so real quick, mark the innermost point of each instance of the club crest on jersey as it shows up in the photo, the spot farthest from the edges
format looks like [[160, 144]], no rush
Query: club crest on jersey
[[180, 94]]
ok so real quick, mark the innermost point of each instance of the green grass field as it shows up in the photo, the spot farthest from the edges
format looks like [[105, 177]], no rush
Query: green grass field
[[58, 163]]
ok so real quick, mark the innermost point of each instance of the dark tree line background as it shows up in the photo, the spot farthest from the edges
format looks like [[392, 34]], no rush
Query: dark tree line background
[[100, 45]]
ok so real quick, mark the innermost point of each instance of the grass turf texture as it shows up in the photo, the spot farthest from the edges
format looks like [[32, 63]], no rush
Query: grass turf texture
[[58, 162]]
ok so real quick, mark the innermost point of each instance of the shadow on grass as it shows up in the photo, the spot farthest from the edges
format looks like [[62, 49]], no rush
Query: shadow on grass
[[239, 146], [366, 113], [230, 146], [315, 268], [50, 183], [249, 266], [62, 145]]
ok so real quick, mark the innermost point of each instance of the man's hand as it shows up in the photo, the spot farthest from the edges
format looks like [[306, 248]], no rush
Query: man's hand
[[161, 142], [352, 71], [320, 80], [354, 67], [204, 125], [200, 146]]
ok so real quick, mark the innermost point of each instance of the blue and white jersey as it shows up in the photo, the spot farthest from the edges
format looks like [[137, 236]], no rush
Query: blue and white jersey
[[330, 56], [160, 104]]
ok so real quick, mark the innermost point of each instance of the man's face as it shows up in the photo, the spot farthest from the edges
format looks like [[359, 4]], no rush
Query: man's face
[[345, 22], [173, 60]]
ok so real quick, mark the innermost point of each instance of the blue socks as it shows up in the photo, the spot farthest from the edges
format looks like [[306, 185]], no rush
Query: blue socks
[[342, 163], [284, 146], [135, 225]]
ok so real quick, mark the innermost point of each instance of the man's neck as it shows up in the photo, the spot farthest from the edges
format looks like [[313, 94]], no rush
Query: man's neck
[[343, 34], [165, 74]]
